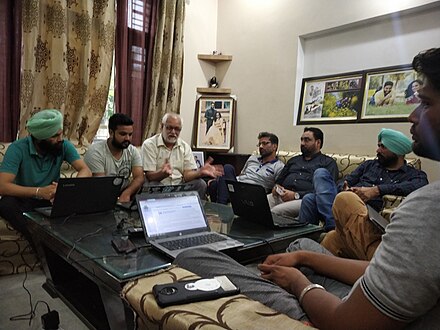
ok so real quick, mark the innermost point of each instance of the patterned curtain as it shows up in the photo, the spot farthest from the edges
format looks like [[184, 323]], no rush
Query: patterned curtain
[[67, 60], [167, 69], [135, 34]]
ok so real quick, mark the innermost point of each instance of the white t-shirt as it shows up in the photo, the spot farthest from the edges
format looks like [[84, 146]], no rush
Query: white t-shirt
[[100, 160]]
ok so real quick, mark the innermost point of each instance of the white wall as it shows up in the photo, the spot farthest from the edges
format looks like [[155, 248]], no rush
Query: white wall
[[200, 38], [269, 39]]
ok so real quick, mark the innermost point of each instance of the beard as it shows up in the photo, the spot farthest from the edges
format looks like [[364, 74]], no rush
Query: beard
[[122, 145], [169, 139], [264, 153], [306, 152], [50, 148], [387, 161]]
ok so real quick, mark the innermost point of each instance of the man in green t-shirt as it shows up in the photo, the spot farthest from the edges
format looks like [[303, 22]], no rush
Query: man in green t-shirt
[[31, 168]]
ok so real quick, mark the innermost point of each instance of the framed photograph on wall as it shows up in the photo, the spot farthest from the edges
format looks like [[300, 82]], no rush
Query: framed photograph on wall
[[390, 94], [331, 99], [214, 123], [199, 158]]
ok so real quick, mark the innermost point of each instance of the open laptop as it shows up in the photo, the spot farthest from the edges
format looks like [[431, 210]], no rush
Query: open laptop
[[174, 222], [77, 196], [249, 201], [377, 219], [155, 189]]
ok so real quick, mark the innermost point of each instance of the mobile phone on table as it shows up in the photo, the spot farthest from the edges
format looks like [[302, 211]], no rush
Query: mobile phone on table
[[183, 292], [123, 245]]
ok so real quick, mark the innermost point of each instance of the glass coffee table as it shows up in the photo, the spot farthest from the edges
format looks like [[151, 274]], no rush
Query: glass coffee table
[[84, 270]]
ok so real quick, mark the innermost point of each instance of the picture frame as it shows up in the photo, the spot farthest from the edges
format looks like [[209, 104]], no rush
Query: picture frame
[[390, 94], [330, 99], [214, 123], [199, 158]]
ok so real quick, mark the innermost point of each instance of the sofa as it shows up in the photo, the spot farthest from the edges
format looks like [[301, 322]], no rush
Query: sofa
[[234, 312], [16, 254]]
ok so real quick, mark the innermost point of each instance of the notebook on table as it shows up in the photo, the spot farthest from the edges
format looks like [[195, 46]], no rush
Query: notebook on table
[[249, 201], [76, 196], [175, 222], [377, 219]]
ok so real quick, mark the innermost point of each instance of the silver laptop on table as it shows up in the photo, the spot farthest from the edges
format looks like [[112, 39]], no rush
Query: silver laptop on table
[[175, 222], [76, 196], [249, 201]]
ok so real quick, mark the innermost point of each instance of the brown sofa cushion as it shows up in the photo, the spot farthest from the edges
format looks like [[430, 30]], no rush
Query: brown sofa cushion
[[234, 312]]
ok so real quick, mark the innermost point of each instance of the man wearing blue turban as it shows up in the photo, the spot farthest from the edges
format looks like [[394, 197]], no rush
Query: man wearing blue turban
[[355, 236], [31, 168]]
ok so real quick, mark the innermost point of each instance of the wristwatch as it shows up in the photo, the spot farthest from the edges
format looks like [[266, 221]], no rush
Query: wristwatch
[[297, 196]]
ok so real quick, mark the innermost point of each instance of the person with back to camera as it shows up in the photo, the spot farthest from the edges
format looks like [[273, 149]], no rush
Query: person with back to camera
[[398, 289], [31, 168], [412, 91]]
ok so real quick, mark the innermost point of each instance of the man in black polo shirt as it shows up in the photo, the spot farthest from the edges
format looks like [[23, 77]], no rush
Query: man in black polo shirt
[[296, 178]]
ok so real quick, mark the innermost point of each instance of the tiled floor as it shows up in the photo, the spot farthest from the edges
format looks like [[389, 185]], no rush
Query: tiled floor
[[14, 300]]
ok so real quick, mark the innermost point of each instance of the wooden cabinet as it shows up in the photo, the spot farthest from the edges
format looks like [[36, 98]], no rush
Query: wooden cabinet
[[214, 59], [236, 160]]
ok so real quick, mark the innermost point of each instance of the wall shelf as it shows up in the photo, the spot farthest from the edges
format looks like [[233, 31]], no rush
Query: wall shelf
[[209, 90], [214, 59]]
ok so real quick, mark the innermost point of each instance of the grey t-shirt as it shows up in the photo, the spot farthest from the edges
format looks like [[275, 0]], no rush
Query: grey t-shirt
[[100, 160], [403, 278], [263, 174]]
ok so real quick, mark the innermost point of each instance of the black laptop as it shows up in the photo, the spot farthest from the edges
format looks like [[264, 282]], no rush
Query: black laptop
[[249, 201], [377, 219], [155, 189], [174, 222], [75, 196]]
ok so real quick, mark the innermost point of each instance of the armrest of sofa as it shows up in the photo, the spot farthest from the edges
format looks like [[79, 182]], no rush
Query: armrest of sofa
[[234, 312], [390, 202]]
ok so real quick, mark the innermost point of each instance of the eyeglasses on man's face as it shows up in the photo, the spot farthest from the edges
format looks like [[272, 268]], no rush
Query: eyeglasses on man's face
[[263, 143], [173, 128]]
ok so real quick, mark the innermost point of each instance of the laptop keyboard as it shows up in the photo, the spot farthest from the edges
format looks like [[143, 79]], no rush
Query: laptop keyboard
[[186, 242]]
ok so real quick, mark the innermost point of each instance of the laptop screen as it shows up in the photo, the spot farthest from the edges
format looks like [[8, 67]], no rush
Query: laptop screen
[[171, 215]]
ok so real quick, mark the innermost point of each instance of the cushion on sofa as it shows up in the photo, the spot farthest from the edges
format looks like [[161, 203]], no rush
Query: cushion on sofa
[[16, 254], [234, 312]]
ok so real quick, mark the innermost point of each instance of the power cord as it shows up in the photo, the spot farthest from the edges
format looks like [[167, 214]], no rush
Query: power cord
[[50, 320], [68, 218], [254, 237], [81, 238]]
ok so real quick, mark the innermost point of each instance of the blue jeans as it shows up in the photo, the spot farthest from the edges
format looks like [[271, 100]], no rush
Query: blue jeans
[[318, 205], [218, 192]]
